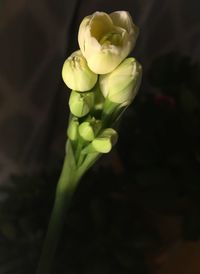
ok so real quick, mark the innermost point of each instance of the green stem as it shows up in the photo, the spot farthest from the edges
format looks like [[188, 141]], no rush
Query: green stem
[[68, 181], [108, 112], [64, 192]]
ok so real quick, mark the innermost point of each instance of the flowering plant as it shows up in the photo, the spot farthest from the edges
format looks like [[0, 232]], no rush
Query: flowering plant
[[104, 82]]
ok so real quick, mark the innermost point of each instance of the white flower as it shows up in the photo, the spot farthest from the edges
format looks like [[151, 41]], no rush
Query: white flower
[[105, 40], [76, 73]]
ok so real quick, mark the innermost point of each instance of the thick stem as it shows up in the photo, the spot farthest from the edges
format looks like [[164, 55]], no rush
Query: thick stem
[[69, 178], [64, 192]]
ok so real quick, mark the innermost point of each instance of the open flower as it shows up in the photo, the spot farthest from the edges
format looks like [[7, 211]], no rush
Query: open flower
[[105, 40]]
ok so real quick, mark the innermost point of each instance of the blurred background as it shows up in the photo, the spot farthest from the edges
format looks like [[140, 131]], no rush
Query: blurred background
[[138, 209]]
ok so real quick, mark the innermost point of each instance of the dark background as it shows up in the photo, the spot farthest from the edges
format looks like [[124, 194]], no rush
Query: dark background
[[151, 179]]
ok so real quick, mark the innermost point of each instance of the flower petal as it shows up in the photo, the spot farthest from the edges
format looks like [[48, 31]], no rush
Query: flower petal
[[122, 19], [100, 24]]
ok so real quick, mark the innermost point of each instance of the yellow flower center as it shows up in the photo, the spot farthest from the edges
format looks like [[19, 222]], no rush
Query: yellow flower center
[[111, 38]]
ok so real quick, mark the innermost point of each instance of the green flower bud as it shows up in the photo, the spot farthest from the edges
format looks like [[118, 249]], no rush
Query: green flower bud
[[90, 128], [96, 124], [72, 130], [80, 104], [76, 73], [104, 142], [86, 131], [121, 85]]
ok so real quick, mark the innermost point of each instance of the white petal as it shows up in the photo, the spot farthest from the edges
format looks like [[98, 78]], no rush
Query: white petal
[[81, 33], [103, 62], [122, 19], [100, 24]]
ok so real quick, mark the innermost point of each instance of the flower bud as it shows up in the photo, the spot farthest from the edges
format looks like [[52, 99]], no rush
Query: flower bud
[[106, 39], [121, 85], [104, 142], [86, 131], [72, 130], [80, 104], [96, 125], [76, 73], [90, 128]]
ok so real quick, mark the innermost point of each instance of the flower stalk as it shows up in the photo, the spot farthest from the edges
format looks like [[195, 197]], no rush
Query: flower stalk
[[104, 83], [67, 184]]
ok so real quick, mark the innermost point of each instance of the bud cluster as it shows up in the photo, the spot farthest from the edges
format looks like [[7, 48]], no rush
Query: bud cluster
[[102, 79]]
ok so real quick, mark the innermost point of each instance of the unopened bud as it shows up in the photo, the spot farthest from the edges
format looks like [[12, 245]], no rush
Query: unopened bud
[[72, 130], [121, 85], [80, 104], [90, 128], [105, 141], [76, 73], [86, 131]]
